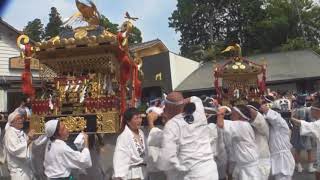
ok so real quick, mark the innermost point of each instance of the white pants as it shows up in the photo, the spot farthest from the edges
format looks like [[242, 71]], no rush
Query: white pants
[[204, 171], [282, 177], [248, 171], [265, 168], [20, 176], [138, 172]]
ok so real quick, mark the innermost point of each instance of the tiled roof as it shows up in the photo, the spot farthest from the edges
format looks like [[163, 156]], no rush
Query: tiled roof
[[144, 45], [281, 66]]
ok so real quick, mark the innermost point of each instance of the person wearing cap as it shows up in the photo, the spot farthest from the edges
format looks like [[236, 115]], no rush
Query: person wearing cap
[[312, 129], [59, 158], [242, 138], [17, 147], [261, 131], [302, 143], [282, 161], [129, 158], [185, 151]]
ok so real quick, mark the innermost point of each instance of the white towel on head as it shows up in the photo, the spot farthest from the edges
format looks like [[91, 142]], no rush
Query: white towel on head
[[79, 141], [157, 110], [50, 127], [11, 118]]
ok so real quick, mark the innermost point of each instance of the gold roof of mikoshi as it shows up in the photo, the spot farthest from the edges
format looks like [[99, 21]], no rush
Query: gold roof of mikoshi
[[78, 38]]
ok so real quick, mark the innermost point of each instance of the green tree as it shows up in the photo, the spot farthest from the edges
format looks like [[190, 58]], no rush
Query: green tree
[[258, 25], [135, 36], [107, 24], [54, 25], [34, 29], [205, 23]]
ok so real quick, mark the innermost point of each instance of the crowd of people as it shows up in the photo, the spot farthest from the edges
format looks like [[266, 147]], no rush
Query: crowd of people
[[203, 140], [200, 139]]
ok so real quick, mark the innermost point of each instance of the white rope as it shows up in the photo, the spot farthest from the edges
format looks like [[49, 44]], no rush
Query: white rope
[[173, 103], [254, 108]]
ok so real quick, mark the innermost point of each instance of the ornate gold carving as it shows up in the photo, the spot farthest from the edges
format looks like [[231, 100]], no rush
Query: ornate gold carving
[[37, 123], [108, 122], [74, 124]]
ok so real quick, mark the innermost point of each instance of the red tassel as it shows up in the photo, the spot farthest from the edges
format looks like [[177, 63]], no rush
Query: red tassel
[[137, 82], [27, 79]]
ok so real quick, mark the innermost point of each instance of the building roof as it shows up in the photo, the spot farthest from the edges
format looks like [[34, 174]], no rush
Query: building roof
[[281, 66], [144, 45], [9, 26]]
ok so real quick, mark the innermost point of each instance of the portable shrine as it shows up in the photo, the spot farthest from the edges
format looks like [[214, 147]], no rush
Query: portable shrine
[[239, 80], [88, 76]]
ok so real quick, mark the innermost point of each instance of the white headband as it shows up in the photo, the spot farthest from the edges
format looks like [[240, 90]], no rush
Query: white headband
[[173, 103], [241, 114], [250, 106], [267, 99], [210, 109]]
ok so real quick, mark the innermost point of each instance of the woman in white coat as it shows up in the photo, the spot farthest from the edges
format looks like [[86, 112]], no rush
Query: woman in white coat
[[185, 151], [282, 161], [242, 140], [59, 158], [130, 152], [17, 146]]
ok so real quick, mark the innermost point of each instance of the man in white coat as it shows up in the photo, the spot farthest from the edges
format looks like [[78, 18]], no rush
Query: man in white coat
[[282, 161], [59, 158], [17, 146], [312, 129], [185, 151], [242, 138], [261, 131]]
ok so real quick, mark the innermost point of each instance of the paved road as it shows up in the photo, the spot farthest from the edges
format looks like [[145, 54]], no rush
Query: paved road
[[303, 176]]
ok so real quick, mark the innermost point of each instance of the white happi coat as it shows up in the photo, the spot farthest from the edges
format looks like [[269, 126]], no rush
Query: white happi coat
[[282, 161], [185, 150], [127, 162], [219, 149], [18, 154], [59, 159], [243, 145], [312, 129], [213, 134], [261, 130]]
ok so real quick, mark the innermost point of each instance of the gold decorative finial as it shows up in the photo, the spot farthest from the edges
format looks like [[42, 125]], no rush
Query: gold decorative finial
[[236, 48]]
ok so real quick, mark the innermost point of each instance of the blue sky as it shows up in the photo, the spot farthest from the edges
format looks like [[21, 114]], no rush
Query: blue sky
[[153, 15]]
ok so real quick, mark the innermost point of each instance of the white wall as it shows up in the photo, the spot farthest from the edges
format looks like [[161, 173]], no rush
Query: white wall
[[180, 68], [8, 49]]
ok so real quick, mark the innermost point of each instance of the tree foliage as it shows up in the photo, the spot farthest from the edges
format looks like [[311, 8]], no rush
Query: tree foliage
[[135, 36], [34, 30], [107, 24], [54, 25], [258, 25]]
